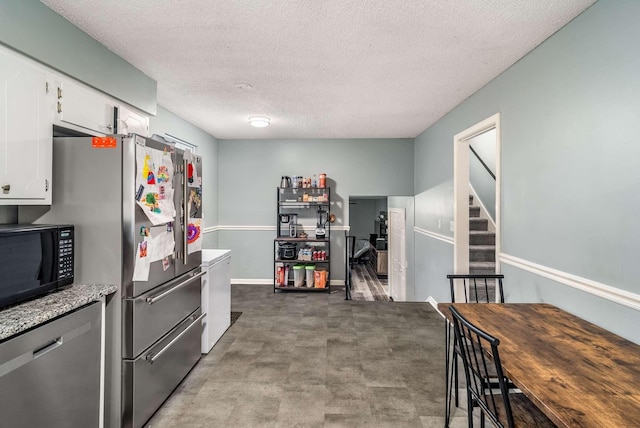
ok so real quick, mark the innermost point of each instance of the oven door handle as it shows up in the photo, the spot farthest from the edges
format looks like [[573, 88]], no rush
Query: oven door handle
[[153, 299], [151, 358]]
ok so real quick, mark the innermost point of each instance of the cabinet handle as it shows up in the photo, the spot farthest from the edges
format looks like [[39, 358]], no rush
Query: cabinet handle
[[6, 188], [59, 92], [37, 353], [59, 107]]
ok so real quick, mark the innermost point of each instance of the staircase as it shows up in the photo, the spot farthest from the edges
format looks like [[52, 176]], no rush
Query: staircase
[[482, 243]]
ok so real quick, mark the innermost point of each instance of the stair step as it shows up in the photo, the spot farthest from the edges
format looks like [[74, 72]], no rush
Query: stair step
[[482, 253], [474, 212], [482, 268], [477, 223], [477, 237]]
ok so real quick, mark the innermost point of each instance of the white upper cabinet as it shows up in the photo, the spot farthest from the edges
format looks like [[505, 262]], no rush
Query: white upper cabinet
[[130, 122], [84, 109], [26, 132]]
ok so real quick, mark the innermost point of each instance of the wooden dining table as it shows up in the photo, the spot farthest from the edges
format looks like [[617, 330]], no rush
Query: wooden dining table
[[578, 374]]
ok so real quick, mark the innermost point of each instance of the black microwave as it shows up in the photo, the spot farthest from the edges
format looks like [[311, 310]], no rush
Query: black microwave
[[34, 259]]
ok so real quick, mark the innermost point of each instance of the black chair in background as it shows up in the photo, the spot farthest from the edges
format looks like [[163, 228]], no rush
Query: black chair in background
[[495, 402], [351, 248], [476, 289], [350, 243]]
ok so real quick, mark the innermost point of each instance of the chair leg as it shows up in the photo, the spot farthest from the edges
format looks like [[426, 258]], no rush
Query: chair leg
[[455, 376], [447, 377], [469, 409]]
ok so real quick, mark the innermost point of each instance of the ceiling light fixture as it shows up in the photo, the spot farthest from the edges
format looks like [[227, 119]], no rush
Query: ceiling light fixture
[[259, 121]]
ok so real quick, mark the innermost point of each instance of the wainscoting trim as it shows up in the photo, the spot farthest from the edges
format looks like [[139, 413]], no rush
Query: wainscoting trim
[[434, 235], [263, 228], [608, 292]]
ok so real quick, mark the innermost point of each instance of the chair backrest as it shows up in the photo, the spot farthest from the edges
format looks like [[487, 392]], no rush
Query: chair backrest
[[482, 362], [478, 288], [351, 245]]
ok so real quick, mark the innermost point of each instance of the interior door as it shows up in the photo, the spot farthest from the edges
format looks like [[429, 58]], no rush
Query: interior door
[[397, 255]]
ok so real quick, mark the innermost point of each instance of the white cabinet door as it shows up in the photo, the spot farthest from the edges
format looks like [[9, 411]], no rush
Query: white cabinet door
[[130, 122], [85, 109], [26, 131]]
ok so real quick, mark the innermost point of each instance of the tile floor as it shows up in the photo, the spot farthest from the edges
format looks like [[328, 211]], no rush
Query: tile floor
[[316, 360]]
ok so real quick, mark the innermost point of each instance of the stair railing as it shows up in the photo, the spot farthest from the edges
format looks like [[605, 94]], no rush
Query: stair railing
[[482, 162]]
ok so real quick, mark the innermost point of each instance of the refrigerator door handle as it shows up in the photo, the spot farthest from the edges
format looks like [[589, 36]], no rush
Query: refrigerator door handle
[[152, 358], [185, 211], [153, 299]]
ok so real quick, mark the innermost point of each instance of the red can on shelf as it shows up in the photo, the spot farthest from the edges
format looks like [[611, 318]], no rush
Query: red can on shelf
[[322, 181]]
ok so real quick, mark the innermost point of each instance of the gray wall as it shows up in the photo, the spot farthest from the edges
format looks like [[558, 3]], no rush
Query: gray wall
[[362, 216], [482, 182], [250, 171], [166, 122], [8, 214], [571, 192], [35, 30]]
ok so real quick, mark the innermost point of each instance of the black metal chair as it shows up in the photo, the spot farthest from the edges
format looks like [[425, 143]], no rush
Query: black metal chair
[[478, 288], [350, 242], [475, 289], [351, 245], [481, 360]]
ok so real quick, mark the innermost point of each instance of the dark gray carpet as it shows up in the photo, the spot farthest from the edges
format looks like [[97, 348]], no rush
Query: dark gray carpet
[[317, 360]]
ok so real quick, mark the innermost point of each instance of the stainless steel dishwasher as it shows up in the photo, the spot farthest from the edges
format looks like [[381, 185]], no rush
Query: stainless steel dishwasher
[[50, 376]]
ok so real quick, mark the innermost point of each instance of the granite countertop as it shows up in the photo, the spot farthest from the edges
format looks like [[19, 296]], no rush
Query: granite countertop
[[21, 317]]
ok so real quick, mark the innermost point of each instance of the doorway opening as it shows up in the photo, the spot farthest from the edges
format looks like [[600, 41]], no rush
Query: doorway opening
[[369, 262], [469, 148]]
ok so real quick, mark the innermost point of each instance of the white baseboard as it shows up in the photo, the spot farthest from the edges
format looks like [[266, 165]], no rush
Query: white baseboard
[[616, 295], [252, 281], [434, 303]]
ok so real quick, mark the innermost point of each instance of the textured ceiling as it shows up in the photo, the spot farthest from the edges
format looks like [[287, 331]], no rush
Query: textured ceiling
[[318, 69]]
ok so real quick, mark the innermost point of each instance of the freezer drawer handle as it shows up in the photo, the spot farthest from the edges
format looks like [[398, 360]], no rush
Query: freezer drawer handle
[[152, 358], [153, 299]]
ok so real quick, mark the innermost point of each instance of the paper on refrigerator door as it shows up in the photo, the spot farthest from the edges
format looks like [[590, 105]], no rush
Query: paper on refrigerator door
[[193, 180], [154, 184], [194, 235], [160, 243], [142, 264]]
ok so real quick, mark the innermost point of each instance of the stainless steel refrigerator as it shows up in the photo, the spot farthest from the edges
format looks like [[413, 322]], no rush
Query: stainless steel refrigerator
[[136, 204]]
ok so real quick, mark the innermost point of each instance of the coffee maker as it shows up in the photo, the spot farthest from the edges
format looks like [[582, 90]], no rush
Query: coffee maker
[[293, 226]]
